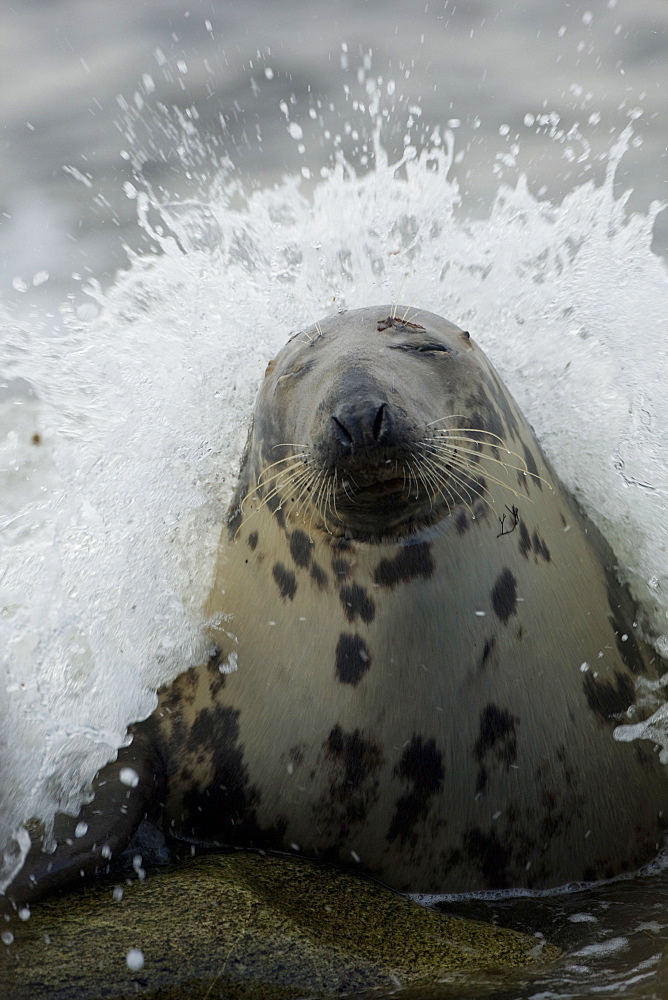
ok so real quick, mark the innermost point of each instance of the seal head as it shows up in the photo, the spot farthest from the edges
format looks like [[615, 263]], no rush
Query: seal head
[[367, 429]]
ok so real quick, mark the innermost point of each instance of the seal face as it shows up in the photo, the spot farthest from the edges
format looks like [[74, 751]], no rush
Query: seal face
[[422, 646], [339, 436]]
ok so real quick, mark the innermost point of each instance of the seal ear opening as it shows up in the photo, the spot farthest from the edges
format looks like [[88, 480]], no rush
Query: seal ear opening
[[270, 367]]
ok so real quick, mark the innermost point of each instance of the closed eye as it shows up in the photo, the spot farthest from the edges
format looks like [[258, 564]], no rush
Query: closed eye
[[421, 348]]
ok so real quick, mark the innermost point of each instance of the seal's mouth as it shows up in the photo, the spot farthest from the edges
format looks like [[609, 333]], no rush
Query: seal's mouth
[[369, 503], [376, 488]]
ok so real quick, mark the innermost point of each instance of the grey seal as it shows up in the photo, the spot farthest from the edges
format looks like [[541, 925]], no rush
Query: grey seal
[[422, 645]]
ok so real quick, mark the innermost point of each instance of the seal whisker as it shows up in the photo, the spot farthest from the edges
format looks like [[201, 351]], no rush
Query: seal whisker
[[467, 433], [459, 450], [331, 501], [286, 458], [456, 470], [321, 498], [441, 480], [437, 447], [256, 491], [408, 478], [463, 467], [450, 479], [452, 416], [264, 481], [304, 484], [314, 490], [265, 500], [430, 480], [290, 444], [333, 493], [345, 485], [522, 467]]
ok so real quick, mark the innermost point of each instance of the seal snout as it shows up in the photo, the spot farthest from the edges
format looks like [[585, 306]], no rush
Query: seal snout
[[361, 426]]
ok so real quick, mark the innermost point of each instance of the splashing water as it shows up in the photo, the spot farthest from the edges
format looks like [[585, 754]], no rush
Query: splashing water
[[123, 427]]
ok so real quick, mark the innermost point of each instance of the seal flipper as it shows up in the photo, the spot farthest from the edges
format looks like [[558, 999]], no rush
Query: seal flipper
[[108, 823]]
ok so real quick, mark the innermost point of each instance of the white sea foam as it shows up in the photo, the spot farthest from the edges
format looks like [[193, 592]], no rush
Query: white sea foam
[[141, 404]]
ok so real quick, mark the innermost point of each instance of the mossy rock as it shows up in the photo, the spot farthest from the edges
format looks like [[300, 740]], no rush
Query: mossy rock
[[245, 927]]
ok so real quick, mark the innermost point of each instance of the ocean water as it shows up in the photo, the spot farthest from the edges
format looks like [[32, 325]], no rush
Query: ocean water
[[184, 187]]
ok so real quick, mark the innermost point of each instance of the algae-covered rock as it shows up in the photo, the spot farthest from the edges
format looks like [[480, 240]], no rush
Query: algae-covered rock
[[245, 927]]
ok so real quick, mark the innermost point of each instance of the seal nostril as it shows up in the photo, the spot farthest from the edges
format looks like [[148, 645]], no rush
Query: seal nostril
[[378, 424], [343, 434]]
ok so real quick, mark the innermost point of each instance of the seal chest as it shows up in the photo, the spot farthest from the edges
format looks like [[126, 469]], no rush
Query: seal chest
[[423, 649]]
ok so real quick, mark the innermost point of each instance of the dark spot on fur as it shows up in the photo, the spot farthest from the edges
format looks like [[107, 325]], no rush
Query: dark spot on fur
[[492, 857], [352, 659], [487, 652], [531, 466], [340, 567], [410, 562], [506, 411], [623, 611], [504, 595], [534, 542], [421, 765], [539, 547], [356, 602], [296, 755], [300, 548], [496, 743], [187, 685], [170, 698], [253, 540], [342, 544], [608, 699], [462, 522], [340, 744], [491, 420], [353, 763], [36, 439], [481, 510], [318, 576], [285, 580], [227, 807], [629, 650], [497, 735]]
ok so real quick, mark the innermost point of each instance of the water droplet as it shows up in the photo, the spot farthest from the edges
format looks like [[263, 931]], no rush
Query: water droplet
[[128, 776], [135, 959]]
